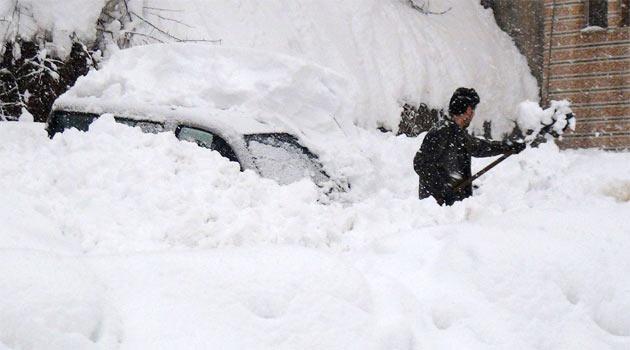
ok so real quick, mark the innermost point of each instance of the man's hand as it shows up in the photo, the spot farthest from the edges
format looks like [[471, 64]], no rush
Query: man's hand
[[517, 147]]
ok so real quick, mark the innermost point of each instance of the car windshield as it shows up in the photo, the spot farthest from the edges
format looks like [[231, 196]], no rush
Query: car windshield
[[279, 156]]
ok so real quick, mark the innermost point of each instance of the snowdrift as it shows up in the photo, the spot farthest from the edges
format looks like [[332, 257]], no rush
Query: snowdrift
[[269, 87], [117, 239], [389, 53], [244, 90]]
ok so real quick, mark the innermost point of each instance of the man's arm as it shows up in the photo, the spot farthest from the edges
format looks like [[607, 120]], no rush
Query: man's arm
[[483, 148]]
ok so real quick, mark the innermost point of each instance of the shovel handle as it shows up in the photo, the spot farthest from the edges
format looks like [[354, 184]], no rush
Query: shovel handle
[[468, 181]]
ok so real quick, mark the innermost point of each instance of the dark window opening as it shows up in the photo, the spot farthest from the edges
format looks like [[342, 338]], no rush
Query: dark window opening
[[597, 13], [625, 13], [144, 125], [63, 120]]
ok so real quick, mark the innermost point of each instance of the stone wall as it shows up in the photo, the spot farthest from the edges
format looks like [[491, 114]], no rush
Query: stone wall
[[523, 21]]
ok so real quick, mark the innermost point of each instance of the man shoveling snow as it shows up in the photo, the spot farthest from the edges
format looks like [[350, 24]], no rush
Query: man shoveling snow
[[444, 159]]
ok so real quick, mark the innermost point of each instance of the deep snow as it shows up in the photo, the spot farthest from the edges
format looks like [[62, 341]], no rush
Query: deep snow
[[119, 239], [244, 91], [390, 53]]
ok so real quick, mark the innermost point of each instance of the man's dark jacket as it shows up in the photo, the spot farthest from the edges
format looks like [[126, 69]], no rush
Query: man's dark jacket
[[444, 159]]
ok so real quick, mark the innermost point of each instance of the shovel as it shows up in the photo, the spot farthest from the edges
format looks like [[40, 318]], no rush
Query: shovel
[[546, 130]]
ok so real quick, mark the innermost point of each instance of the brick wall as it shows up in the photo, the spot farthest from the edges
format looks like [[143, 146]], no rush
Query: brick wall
[[592, 70]]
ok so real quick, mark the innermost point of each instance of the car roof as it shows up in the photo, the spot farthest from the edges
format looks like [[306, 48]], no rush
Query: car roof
[[232, 122]]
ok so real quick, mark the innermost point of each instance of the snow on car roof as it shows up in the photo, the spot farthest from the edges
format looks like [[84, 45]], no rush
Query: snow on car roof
[[249, 90]]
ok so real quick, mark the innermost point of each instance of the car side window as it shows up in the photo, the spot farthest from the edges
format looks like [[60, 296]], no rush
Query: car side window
[[206, 139], [200, 137], [150, 127], [128, 122], [145, 126]]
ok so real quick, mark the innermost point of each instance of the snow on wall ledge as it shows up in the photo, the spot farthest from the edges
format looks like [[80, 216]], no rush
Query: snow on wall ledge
[[390, 52]]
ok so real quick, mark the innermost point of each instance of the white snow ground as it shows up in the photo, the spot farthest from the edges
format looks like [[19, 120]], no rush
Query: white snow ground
[[117, 239], [122, 240]]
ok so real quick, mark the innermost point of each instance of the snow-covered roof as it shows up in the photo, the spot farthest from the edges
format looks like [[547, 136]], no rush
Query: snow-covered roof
[[250, 90]]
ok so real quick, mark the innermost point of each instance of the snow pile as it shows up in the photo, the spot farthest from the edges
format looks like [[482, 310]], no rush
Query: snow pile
[[238, 87], [532, 118], [159, 184], [270, 88], [63, 21], [119, 239], [390, 52]]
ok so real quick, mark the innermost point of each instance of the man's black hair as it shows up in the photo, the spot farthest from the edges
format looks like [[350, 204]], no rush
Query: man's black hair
[[461, 99]]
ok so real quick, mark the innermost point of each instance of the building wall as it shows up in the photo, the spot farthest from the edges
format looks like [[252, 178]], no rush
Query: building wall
[[592, 70], [523, 20]]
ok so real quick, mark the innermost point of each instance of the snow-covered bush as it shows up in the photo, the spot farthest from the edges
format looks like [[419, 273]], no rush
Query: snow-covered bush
[[31, 78], [45, 45]]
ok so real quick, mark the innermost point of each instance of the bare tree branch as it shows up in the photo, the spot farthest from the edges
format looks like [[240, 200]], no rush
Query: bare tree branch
[[41, 69], [213, 41], [171, 35], [160, 9], [155, 27], [171, 19], [424, 8], [146, 36], [127, 10]]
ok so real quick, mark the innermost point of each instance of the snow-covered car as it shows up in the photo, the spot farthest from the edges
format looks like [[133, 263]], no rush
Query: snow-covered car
[[267, 112], [272, 154]]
